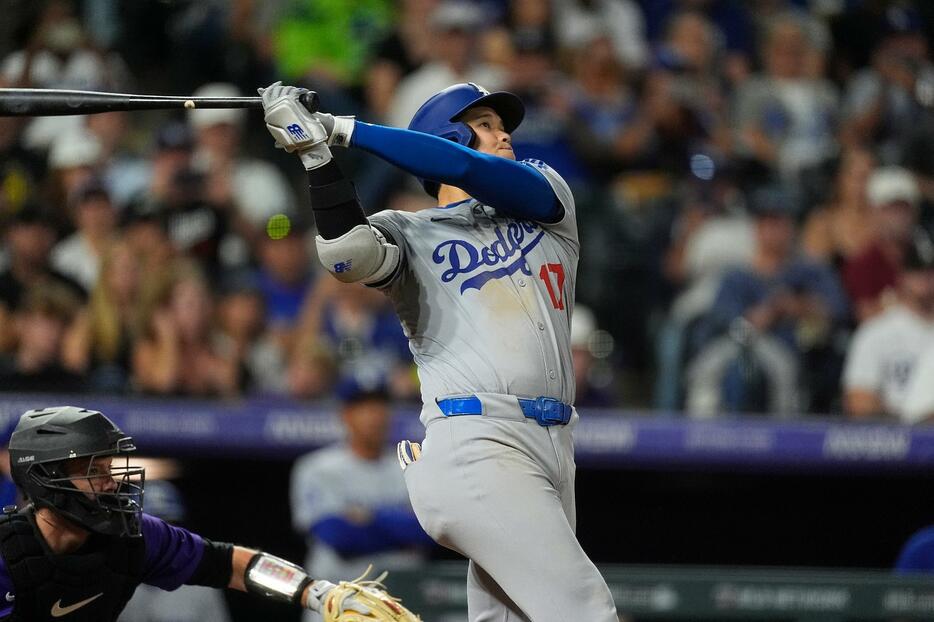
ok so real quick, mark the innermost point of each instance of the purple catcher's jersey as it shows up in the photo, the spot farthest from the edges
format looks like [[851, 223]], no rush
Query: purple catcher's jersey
[[172, 555], [486, 299]]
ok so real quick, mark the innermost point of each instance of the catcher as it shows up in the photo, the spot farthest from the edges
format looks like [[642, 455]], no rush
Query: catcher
[[82, 544]]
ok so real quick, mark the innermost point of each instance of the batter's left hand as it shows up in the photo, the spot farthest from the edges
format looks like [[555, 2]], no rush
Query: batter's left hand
[[295, 129]]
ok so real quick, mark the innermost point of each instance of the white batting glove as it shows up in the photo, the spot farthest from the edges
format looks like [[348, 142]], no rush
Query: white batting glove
[[295, 129], [339, 129]]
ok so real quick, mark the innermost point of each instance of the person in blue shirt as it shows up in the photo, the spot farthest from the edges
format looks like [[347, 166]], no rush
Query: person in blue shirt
[[350, 499]]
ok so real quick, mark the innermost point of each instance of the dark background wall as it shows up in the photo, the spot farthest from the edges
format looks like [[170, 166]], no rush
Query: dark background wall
[[721, 517]]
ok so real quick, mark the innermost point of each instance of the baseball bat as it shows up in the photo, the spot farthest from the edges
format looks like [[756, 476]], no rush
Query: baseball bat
[[56, 102]]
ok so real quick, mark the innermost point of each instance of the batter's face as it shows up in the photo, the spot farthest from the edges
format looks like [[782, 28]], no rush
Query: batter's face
[[492, 138]]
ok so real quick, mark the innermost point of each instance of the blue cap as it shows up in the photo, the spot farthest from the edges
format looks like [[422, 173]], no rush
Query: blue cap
[[356, 388]]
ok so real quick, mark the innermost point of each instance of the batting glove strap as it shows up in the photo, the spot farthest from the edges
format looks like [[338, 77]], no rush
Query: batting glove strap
[[342, 132]]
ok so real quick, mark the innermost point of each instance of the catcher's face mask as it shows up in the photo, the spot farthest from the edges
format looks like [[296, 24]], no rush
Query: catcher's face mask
[[103, 493]]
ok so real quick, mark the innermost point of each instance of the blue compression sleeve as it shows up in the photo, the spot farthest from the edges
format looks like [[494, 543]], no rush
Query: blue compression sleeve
[[402, 526], [352, 539], [510, 187], [391, 528]]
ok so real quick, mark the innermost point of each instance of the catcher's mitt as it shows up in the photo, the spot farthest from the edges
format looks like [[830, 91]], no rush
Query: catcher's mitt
[[342, 604]]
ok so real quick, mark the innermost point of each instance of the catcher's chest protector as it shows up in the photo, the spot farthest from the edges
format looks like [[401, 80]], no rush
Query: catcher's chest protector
[[85, 587]]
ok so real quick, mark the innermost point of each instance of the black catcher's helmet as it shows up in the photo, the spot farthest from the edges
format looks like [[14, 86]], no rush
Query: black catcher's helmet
[[46, 439]]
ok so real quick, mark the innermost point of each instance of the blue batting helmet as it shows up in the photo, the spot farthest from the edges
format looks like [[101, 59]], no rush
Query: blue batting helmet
[[439, 115]]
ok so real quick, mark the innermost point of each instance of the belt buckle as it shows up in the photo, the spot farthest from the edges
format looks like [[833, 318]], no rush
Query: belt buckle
[[549, 411]]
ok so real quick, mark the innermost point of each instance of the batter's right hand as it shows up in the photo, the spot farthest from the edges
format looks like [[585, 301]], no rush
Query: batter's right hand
[[408, 452], [295, 129]]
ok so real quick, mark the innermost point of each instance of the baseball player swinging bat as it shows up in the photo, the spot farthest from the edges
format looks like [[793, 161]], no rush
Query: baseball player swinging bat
[[484, 285], [57, 102]]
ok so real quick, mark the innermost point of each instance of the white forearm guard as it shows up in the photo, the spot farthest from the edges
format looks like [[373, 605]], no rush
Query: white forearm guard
[[362, 255]]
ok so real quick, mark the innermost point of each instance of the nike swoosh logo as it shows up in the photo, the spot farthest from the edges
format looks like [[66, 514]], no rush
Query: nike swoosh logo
[[59, 611]]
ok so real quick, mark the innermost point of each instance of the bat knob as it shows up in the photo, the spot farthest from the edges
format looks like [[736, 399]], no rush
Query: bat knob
[[309, 100]]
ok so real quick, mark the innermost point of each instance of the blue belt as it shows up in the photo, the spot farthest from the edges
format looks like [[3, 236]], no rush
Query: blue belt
[[545, 410]]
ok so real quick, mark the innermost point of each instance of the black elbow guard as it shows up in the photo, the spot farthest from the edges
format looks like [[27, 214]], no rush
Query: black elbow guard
[[216, 565], [334, 202]]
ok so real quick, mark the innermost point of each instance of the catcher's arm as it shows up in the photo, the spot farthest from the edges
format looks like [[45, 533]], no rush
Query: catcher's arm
[[275, 578]]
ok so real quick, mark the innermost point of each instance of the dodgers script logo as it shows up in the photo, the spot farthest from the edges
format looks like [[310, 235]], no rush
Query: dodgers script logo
[[463, 257]]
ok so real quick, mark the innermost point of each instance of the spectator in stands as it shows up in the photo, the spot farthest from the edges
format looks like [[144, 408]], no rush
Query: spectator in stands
[[711, 235], [918, 405], [74, 159], [40, 322], [785, 117], [79, 255], [20, 169], [358, 331], [588, 392], [242, 335], [284, 275], [842, 228], [764, 320], [454, 26], [546, 130], [99, 344], [621, 20], [175, 353], [885, 350], [870, 275], [400, 53], [732, 20], [602, 104], [889, 101], [125, 173], [177, 196], [29, 239], [251, 190], [172, 154], [189, 603], [58, 54], [349, 500]]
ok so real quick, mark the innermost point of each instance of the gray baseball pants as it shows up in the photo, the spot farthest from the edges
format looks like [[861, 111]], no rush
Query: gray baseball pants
[[499, 489]]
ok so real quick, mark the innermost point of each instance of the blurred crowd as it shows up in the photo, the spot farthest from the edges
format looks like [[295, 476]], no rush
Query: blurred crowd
[[754, 179]]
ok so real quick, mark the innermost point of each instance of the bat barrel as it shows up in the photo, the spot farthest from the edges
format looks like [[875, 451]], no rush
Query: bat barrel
[[53, 102]]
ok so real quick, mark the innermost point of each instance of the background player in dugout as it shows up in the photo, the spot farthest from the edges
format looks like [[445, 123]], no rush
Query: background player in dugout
[[484, 287], [349, 498], [82, 546]]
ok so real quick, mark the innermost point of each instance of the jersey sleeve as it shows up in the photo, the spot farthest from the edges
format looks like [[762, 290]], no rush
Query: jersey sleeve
[[172, 553], [567, 226], [862, 370], [314, 494], [919, 396], [393, 225]]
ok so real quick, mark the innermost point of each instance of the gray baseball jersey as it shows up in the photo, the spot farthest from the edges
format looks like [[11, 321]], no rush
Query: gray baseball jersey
[[486, 302]]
